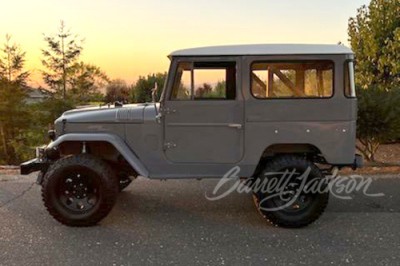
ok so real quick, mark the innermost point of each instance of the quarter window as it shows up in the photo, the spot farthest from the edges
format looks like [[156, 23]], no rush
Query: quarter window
[[205, 81], [305, 79], [349, 86]]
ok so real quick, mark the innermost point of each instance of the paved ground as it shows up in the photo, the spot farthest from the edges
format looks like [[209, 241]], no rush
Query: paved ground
[[171, 223]]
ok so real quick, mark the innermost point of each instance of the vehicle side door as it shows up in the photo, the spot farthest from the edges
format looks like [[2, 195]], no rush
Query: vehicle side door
[[203, 112]]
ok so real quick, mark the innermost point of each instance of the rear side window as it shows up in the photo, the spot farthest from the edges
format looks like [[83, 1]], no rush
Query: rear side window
[[303, 79], [205, 81], [349, 83]]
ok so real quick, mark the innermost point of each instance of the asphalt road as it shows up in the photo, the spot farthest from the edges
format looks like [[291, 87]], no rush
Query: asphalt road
[[172, 223]]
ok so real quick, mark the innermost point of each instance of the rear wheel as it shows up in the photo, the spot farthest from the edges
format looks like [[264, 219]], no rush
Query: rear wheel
[[294, 204], [80, 190]]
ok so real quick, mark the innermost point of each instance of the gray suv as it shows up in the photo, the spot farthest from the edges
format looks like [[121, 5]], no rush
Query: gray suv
[[263, 108]]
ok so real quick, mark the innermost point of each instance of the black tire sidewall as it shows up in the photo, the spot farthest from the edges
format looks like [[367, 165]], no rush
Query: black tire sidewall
[[109, 187], [293, 219]]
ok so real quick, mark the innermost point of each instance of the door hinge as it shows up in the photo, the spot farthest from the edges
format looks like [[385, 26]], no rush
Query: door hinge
[[158, 118], [169, 145]]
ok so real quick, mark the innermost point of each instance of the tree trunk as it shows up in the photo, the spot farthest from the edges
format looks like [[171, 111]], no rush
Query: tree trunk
[[368, 148], [3, 137]]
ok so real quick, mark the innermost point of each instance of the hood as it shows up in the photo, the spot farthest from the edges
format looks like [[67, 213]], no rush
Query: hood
[[131, 113]]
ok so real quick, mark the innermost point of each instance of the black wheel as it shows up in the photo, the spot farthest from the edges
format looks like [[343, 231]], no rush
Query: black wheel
[[124, 182], [79, 190], [294, 204]]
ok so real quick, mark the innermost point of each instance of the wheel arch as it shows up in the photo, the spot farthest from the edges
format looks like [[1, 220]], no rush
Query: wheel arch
[[276, 149], [116, 142]]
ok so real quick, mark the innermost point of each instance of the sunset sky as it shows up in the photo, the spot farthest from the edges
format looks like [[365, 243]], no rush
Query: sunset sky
[[128, 38]]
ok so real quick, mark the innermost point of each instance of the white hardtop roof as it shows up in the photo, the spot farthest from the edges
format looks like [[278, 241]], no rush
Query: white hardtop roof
[[265, 49]]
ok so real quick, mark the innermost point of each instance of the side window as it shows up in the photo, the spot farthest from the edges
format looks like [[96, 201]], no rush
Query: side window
[[205, 81], [349, 83], [303, 79], [182, 85]]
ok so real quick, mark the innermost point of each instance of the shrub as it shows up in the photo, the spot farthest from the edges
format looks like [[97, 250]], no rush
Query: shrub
[[378, 119]]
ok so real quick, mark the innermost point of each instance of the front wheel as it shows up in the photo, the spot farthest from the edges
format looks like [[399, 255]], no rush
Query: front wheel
[[297, 194], [80, 190]]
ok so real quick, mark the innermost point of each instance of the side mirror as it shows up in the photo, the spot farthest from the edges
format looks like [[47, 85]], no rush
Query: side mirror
[[154, 93]]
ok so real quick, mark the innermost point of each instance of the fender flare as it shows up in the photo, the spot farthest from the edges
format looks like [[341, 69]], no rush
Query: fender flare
[[114, 140]]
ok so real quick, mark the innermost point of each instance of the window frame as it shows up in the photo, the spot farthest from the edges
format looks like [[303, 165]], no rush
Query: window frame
[[191, 63], [345, 69], [293, 61], [192, 88]]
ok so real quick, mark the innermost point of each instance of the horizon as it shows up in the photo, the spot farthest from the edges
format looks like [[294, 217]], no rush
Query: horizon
[[165, 27]]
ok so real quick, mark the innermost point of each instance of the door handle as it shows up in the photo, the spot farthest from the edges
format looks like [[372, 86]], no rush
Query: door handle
[[237, 126]]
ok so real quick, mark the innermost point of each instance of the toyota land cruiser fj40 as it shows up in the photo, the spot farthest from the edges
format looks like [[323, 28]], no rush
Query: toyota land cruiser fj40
[[263, 108]]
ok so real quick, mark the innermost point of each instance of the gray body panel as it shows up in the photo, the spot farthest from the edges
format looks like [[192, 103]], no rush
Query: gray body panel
[[196, 139], [116, 141]]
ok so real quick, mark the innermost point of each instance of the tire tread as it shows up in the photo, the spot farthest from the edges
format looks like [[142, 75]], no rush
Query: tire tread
[[109, 182]]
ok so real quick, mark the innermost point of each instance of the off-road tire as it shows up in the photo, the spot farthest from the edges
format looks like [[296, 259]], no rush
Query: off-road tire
[[101, 172], [281, 217]]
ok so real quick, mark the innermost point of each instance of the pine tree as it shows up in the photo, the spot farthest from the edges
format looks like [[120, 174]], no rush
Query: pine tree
[[63, 51], [13, 80], [85, 81]]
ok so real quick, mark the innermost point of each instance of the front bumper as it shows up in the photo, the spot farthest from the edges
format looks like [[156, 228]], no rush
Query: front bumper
[[32, 166]]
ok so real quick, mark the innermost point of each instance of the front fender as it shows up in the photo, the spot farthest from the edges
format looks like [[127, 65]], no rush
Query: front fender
[[114, 140]]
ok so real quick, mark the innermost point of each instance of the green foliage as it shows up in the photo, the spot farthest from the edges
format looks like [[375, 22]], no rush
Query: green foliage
[[13, 114], [64, 72], [41, 117], [51, 109], [26, 141], [117, 90], [13, 117], [63, 51], [378, 119], [204, 91], [208, 91], [220, 89], [12, 62], [143, 88], [374, 35], [85, 81]]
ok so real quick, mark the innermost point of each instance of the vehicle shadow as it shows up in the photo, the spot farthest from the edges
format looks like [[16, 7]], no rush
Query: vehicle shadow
[[176, 202]]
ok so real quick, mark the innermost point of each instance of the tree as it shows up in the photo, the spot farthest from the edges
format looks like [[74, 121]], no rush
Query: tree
[[35, 133], [204, 91], [220, 89], [378, 119], [143, 88], [63, 51], [12, 63], [117, 90], [85, 81], [13, 115], [374, 35]]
